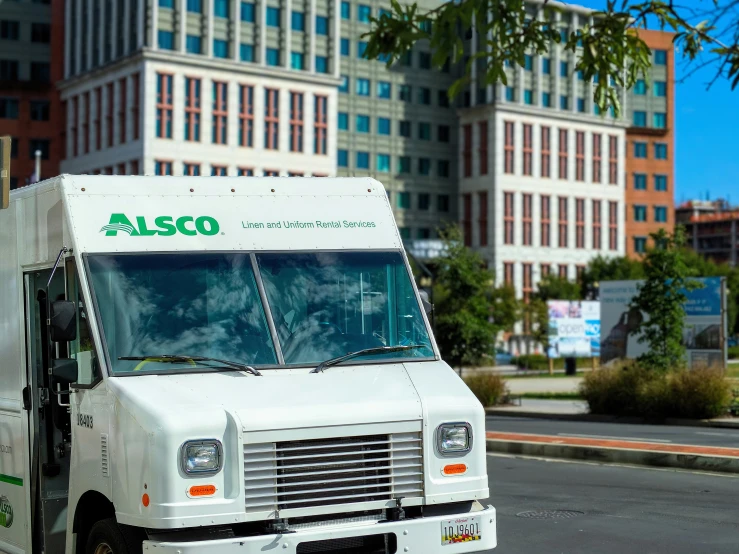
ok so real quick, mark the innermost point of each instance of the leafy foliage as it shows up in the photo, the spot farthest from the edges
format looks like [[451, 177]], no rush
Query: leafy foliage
[[553, 287], [611, 50], [634, 390], [470, 312], [662, 297], [489, 388], [611, 269]]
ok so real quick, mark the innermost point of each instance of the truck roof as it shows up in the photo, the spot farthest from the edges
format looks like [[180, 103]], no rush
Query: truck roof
[[106, 213]]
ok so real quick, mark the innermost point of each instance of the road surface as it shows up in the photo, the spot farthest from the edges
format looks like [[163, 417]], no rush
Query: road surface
[[703, 436], [611, 509]]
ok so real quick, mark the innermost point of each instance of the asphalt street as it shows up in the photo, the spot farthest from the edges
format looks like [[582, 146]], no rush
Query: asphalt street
[[702, 436], [602, 509]]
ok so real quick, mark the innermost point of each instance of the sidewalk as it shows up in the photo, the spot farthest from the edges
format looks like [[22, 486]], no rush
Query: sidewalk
[[682, 456], [543, 384], [575, 410]]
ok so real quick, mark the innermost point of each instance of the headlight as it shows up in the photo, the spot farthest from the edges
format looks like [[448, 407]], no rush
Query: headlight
[[202, 457], [454, 439]]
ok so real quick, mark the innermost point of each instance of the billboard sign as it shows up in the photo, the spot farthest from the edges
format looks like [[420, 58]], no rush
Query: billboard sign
[[703, 333], [574, 329]]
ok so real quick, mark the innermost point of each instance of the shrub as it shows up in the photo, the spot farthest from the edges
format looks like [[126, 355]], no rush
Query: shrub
[[733, 352], [538, 362], [634, 391], [700, 394], [489, 388], [531, 361]]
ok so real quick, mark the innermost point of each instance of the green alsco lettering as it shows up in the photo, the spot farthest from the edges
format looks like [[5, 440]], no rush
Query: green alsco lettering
[[119, 222], [143, 231], [163, 225], [166, 227], [181, 226], [207, 226]]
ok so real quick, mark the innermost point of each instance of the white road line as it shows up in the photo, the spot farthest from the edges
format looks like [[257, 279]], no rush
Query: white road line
[[639, 439], [715, 434], [605, 464]]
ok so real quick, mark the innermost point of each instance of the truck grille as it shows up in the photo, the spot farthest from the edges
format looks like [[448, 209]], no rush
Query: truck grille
[[327, 472]]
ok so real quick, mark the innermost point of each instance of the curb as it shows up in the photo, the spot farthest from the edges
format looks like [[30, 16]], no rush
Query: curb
[[595, 418], [614, 455]]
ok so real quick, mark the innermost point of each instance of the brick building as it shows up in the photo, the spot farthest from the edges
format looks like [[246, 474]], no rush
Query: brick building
[[29, 103], [650, 152]]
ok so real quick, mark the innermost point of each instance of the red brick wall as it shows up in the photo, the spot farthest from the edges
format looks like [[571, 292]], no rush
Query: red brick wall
[[650, 166]]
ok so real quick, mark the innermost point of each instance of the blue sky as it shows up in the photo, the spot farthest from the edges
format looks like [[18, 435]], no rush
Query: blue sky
[[706, 131]]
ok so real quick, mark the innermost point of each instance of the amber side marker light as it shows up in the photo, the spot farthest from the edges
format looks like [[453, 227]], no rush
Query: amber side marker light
[[202, 490], [454, 469], [145, 500]]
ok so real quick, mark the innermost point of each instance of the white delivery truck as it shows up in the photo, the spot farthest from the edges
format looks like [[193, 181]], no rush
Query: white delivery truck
[[225, 365]]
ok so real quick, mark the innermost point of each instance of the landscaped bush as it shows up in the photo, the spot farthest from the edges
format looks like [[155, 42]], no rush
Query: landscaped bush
[[701, 393], [635, 391], [539, 362], [733, 352], [489, 388], [531, 361]]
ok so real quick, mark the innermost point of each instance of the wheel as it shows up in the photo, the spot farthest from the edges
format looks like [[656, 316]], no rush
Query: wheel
[[107, 537]]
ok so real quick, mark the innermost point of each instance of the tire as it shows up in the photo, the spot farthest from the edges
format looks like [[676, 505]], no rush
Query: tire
[[107, 537]]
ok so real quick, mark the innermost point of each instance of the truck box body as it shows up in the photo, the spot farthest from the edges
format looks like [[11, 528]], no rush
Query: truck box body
[[268, 277]]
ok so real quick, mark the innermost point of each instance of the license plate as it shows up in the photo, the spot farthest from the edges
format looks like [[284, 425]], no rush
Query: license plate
[[462, 529]]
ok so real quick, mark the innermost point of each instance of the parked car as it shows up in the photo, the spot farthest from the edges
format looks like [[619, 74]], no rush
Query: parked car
[[502, 357]]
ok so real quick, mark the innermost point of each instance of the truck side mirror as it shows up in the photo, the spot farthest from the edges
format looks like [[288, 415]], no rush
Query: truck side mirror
[[428, 307], [64, 370], [63, 323]]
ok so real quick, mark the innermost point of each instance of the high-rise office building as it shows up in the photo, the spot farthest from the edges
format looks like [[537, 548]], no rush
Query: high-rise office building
[[201, 87], [650, 151], [540, 181], [29, 103], [397, 125], [541, 171]]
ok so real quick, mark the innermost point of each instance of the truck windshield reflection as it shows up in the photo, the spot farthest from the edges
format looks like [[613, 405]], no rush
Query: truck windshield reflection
[[208, 305]]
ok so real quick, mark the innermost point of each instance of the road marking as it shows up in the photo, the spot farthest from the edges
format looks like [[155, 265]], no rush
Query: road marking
[[715, 434], [641, 439]]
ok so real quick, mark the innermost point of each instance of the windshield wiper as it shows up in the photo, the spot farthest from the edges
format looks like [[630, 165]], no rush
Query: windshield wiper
[[175, 358], [364, 352]]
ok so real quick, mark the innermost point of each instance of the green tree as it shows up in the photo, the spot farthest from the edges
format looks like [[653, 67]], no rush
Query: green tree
[[536, 314], [662, 297], [607, 47], [602, 269], [464, 327], [553, 287], [505, 309]]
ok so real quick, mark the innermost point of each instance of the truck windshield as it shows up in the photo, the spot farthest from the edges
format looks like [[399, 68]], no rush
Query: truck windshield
[[183, 304], [323, 304], [327, 304]]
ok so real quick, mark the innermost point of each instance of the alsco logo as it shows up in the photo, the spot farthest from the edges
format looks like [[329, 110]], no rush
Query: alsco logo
[[6, 512], [164, 226]]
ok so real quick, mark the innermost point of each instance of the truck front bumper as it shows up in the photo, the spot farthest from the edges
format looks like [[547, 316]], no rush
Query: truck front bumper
[[421, 535]]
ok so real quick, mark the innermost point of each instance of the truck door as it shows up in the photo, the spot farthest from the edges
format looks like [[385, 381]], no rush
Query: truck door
[[49, 420]]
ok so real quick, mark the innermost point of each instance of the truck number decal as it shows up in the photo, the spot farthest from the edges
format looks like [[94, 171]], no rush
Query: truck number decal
[[84, 420]]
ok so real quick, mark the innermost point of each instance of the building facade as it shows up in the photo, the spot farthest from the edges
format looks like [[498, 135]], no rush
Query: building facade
[[397, 125], [541, 172], [29, 103], [650, 152], [712, 228], [201, 87]]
